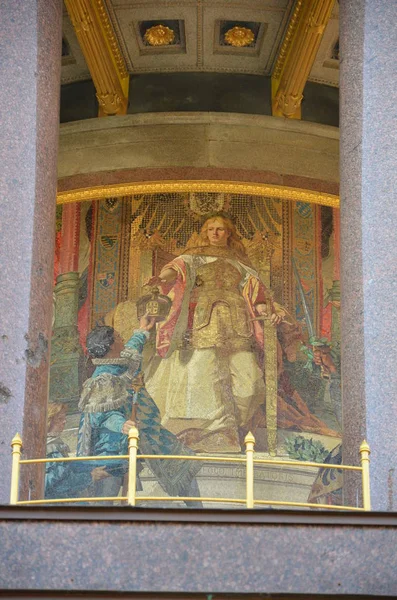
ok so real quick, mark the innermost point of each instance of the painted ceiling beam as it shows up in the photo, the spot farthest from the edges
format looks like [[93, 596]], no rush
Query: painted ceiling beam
[[102, 53], [297, 54]]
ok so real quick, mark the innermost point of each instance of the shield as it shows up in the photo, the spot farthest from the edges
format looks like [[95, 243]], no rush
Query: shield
[[304, 209], [108, 241], [305, 247], [106, 279]]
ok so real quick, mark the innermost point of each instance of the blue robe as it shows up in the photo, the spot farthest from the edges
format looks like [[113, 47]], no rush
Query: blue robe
[[65, 479], [107, 402]]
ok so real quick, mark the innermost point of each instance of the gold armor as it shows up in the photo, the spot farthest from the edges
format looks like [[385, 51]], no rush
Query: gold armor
[[221, 317]]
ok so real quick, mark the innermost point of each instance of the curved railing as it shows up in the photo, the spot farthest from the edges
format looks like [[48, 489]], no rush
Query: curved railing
[[133, 457]]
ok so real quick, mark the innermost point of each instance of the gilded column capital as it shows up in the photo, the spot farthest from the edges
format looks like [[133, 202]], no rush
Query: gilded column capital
[[297, 55], [289, 104], [111, 104], [102, 53]]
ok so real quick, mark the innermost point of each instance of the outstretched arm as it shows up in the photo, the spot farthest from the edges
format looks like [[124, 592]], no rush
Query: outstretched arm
[[138, 338], [167, 275]]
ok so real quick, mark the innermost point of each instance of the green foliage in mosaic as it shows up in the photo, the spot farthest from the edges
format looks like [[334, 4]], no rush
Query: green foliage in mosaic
[[301, 448]]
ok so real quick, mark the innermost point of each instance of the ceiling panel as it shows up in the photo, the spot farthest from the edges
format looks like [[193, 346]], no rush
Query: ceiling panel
[[200, 27], [127, 17], [199, 44], [271, 18]]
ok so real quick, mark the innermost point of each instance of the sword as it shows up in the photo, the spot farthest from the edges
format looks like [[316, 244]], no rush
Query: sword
[[313, 339], [303, 300]]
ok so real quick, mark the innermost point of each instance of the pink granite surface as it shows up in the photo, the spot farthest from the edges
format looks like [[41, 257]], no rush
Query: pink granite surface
[[369, 241], [282, 554], [30, 34]]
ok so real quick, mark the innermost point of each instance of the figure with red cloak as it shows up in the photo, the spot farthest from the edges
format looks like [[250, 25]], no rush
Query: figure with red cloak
[[207, 378]]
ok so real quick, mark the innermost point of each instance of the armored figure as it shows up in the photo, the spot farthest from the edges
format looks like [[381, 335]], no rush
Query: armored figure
[[207, 376], [220, 317], [208, 379]]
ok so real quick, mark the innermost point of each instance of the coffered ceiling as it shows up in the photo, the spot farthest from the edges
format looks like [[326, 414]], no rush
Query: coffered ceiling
[[201, 36]]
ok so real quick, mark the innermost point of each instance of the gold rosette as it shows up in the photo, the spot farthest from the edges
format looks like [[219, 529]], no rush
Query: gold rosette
[[239, 36], [159, 35]]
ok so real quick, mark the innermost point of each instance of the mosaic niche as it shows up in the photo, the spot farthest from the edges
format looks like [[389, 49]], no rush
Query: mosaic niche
[[199, 317]]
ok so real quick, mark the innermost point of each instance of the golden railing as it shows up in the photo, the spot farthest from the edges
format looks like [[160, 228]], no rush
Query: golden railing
[[131, 499]]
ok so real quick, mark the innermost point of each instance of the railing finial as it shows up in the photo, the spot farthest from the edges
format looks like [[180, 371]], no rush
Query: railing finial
[[133, 437], [249, 438], [364, 459], [249, 441], [16, 440], [16, 445], [365, 447]]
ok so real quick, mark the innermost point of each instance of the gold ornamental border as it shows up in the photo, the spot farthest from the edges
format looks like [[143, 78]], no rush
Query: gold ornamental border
[[226, 187]]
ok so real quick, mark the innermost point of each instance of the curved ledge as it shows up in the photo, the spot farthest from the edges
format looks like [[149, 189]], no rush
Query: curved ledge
[[198, 147]]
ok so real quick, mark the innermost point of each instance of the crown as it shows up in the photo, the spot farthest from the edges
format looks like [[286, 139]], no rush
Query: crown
[[154, 305]]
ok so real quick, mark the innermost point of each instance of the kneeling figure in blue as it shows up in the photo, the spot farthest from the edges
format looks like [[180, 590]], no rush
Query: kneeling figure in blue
[[109, 398], [64, 479]]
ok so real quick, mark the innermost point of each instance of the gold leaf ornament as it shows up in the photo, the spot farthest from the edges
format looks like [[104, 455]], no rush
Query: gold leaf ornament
[[239, 36], [159, 35]]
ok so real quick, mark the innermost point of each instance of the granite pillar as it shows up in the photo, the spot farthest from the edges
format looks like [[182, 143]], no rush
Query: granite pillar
[[30, 33], [335, 290], [66, 352], [368, 240], [69, 256]]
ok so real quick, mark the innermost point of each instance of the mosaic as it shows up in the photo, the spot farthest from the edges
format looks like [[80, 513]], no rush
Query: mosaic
[[198, 318]]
